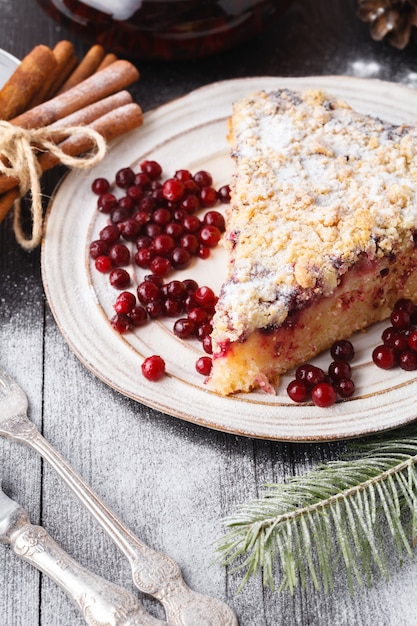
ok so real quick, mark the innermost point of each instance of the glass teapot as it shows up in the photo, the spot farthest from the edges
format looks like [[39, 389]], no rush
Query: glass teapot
[[165, 29]]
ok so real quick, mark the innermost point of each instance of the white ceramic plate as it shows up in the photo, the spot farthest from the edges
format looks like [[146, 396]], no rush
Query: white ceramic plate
[[8, 64], [190, 133]]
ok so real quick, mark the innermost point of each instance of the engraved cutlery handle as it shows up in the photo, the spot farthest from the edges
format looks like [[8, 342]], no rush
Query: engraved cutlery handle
[[100, 601], [153, 573]]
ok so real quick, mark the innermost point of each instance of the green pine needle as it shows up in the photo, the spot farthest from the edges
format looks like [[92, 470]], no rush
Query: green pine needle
[[338, 513]]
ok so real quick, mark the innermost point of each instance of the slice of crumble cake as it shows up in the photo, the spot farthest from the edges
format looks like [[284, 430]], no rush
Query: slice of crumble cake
[[321, 232]]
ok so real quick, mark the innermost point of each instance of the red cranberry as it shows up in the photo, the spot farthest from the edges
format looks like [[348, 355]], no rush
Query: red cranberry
[[129, 229], [126, 203], [176, 289], [209, 236], [151, 168], [143, 257], [103, 264], [323, 394], [214, 218], [408, 360], [345, 388], [172, 307], [298, 391], [161, 266], [190, 204], [190, 243], [412, 340], [384, 357], [152, 230], [203, 365], [161, 216], [143, 242], [163, 244], [125, 177], [203, 178], [155, 309], [122, 323], [139, 316], [119, 254], [110, 233], [203, 252], [400, 342], [147, 204], [119, 214], [405, 304], [142, 217], [184, 328], [156, 280], [190, 285], [207, 344], [135, 193], [190, 186], [339, 370], [119, 278], [125, 302], [173, 189], [204, 330], [197, 315], [174, 230], [191, 223], [142, 180], [106, 202], [311, 374], [208, 196], [180, 258], [342, 350], [205, 297], [98, 248], [400, 319], [183, 175], [153, 368], [224, 194], [148, 291], [100, 186]]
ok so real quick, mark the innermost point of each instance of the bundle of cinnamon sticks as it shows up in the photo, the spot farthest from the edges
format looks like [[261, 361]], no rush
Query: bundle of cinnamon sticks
[[53, 89]]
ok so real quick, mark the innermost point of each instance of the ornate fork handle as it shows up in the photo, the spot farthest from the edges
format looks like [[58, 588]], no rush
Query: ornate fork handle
[[100, 601], [153, 573]]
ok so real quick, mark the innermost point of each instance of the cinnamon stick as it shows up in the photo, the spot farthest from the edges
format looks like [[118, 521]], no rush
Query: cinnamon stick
[[108, 60], [111, 125], [112, 79], [6, 202], [67, 60], [26, 81], [84, 116], [87, 66]]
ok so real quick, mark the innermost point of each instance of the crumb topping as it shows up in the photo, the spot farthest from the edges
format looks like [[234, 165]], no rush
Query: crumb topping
[[316, 186]]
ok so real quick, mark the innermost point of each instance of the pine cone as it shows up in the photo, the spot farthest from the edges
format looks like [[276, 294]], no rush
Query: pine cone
[[393, 19]]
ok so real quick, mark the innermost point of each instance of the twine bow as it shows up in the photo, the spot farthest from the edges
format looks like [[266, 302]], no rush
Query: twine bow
[[19, 148]]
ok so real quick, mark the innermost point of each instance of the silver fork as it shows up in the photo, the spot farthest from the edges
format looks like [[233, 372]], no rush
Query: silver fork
[[153, 573]]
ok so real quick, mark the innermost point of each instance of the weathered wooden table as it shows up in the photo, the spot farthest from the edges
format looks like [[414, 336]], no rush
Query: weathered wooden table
[[169, 480]]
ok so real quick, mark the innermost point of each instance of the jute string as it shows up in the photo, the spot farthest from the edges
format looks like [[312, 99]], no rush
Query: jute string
[[19, 148]]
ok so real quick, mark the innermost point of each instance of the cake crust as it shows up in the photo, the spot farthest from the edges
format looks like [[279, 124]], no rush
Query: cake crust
[[318, 188]]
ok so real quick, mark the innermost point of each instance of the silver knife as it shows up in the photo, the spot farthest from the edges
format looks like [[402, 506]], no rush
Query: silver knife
[[100, 601]]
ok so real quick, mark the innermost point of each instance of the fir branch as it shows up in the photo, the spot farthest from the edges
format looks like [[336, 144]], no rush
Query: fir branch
[[337, 513]]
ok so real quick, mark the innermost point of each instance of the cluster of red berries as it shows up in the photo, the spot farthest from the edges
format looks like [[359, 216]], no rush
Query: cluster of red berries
[[158, 218], [399, 341], [192, 306], [313, 383]]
